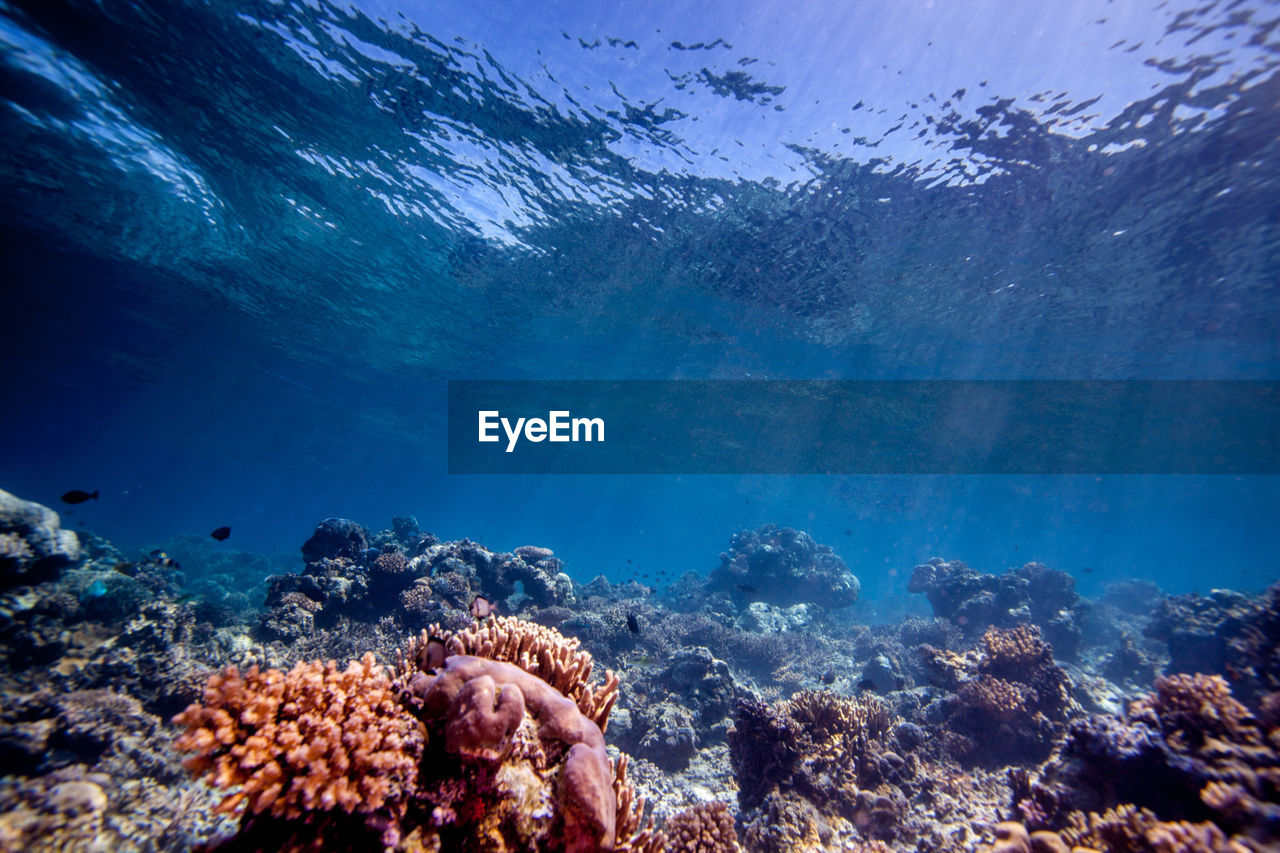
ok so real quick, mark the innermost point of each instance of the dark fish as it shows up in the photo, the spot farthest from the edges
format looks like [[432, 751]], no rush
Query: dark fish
[[866, 684], [746, 587], [848, 532], [633, 624], [1088, 571], [221, 534], [480, 607], [829, 677], [156, 554], [79, 496], [435, 652], [628, 561], [125, 569]]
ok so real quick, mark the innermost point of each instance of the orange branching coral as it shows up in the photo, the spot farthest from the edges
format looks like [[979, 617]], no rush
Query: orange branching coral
[[535, 648], [705, 828], [313, 739]]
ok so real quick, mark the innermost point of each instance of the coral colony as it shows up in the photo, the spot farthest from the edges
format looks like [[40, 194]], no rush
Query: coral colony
[[404, 693]]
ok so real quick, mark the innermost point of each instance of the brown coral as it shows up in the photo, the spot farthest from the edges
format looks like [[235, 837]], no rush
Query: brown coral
[[996, 698], [536, 649], [1190, 708], [315, 738], [391, 562], [1128, 829], [1016, 649], [704, 828]]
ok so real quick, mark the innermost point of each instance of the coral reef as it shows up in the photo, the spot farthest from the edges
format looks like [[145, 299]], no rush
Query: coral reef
[[783, 567], [1034, 594], [1188, 752], [488, 733], [829, 751], [497, 733]]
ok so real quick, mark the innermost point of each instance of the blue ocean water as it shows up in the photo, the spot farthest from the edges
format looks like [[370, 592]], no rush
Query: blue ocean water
[[246, 245]]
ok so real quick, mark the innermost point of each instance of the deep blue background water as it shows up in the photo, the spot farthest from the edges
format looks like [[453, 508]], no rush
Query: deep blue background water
[[246, 244]]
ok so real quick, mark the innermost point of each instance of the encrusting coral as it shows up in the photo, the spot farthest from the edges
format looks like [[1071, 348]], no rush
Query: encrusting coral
[[488, 739]]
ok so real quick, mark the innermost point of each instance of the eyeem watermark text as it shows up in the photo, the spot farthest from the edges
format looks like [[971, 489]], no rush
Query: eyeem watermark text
[[558, 426]]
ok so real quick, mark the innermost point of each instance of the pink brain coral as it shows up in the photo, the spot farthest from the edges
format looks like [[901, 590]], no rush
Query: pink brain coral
[[484, 701]]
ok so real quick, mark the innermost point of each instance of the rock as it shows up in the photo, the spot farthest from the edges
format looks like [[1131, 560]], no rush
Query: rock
[[33, 545], [334, 538], [881, 673], [671, 738]]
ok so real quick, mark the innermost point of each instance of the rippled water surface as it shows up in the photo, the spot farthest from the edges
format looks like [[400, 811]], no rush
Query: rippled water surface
[[245, 243]]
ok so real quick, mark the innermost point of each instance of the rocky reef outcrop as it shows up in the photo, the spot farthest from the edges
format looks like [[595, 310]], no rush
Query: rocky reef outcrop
[[782, 566]]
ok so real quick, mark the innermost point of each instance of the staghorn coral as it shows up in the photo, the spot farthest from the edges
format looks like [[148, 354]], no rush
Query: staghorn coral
[[314, 739], [538, 650]]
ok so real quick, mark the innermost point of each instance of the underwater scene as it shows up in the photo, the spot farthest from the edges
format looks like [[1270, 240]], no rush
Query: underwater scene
[[697, 427]]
